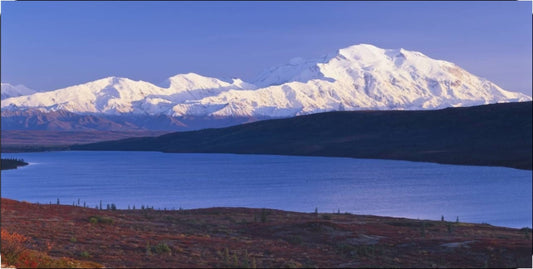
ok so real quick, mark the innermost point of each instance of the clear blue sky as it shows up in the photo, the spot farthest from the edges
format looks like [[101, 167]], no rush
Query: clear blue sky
[[50, 45]]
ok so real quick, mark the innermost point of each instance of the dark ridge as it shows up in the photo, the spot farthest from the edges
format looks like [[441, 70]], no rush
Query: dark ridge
[[490, 135]]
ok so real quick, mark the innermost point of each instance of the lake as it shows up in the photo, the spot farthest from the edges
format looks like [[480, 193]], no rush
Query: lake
[[494, 195]]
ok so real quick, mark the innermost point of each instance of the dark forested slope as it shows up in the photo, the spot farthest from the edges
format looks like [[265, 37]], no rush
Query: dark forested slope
[[11, 163], [496, 135]]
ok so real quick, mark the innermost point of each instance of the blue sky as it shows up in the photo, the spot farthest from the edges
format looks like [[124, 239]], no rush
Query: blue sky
[[50, 45]]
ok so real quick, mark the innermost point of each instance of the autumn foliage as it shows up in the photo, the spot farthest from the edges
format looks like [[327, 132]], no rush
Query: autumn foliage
[[15, 252], [13, 245], [248, 238]]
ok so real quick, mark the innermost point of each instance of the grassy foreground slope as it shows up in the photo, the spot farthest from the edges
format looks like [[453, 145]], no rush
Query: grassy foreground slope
[[249, 238], [493, 135]]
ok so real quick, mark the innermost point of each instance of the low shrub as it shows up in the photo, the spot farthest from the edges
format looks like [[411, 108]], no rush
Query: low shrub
[[294, 239], [161, 248], [100, 219], [15, 252], [157, 249], [13, 246]]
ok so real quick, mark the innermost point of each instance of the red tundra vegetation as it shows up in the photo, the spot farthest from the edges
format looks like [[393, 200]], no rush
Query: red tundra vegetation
[[16, 252], [42, 235]]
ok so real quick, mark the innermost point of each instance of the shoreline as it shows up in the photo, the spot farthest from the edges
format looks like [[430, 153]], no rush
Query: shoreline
[[112, 207], [36, 149]]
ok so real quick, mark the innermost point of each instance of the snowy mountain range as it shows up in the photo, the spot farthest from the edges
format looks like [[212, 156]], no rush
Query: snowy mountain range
[[359, 77]]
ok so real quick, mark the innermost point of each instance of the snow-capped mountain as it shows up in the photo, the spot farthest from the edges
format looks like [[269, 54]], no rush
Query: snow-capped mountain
[[354, 78], [9, 90], [114, 95]]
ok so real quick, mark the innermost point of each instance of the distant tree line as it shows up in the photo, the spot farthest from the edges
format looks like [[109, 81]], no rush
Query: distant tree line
[[11, 163]]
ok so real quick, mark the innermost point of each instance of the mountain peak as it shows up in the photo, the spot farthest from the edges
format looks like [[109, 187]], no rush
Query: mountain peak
[[361, 49], [189, 75], [8, 90], [362, 46], [111, 80], [193, 81]]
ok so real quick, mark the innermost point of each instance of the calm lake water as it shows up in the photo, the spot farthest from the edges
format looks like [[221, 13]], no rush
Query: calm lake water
[[494, 195]]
